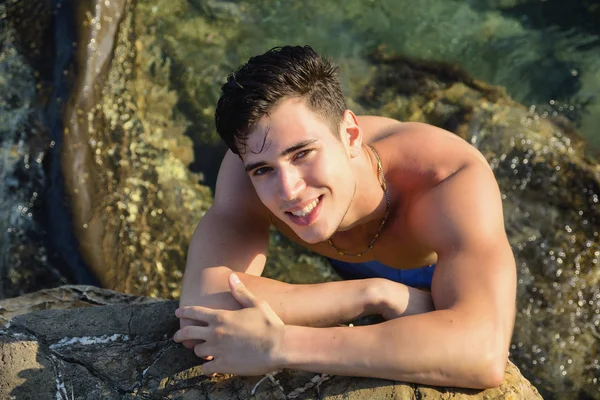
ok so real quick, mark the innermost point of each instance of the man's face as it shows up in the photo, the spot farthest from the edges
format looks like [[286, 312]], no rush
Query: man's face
[[301, 170]]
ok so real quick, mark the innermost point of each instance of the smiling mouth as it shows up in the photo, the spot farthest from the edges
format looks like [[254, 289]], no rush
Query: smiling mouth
[[306, 215], [306, 210]]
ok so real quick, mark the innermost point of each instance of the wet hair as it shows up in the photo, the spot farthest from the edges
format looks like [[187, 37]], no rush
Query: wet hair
[[258, 86]]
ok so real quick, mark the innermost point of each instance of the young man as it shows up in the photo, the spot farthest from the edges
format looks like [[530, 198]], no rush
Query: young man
[[378, 197]]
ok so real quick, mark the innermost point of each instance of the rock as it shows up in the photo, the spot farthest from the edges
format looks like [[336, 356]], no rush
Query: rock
[[125, 157], [65, 297], [119, 347]]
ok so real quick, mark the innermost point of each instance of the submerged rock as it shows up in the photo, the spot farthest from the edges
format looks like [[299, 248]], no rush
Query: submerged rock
[[125, 156], [125, 351], [115, 148]]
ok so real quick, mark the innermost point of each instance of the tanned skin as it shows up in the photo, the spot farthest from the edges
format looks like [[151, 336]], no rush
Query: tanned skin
[[445, 209]]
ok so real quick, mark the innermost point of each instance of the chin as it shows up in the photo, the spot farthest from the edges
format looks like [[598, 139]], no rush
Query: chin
[[312, 240], [312, 237]]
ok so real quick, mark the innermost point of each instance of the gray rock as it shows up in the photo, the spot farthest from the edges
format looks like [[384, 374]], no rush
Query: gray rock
[[120, 347]]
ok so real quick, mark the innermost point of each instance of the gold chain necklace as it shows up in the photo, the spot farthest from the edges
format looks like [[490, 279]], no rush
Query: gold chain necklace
[[387, 211]]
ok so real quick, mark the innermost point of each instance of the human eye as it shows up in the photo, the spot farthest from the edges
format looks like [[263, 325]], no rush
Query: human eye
[[260, 171], [302, 153]]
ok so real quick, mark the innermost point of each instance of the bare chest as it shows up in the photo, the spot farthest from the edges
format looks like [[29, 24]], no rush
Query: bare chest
[[395, 248]]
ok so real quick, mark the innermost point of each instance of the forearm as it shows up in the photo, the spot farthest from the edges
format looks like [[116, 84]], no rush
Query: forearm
[[317, 305], [439, 348]]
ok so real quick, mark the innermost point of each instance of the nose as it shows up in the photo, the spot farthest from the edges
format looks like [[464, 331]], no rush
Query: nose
[[291, 183]]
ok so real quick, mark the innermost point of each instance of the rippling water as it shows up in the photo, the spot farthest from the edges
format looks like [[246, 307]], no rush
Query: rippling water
[[556, 67]]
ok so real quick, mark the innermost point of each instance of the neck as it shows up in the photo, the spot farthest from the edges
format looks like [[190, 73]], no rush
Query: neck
[[368, 203]]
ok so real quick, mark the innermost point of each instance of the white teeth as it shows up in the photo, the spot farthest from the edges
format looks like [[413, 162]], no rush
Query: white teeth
[[306, 210]]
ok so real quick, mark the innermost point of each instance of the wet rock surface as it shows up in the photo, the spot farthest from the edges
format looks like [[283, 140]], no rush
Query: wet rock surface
[[125, 158], [127, 150], [125, 351]]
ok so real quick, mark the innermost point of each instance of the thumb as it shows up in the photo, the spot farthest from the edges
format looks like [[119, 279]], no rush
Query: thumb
[[240, 292]]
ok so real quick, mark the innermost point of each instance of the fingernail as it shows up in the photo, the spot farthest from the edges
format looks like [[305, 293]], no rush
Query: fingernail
[[177, 312], [235, 279]]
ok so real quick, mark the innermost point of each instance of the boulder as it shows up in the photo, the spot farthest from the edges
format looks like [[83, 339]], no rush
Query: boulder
[[118, 346]]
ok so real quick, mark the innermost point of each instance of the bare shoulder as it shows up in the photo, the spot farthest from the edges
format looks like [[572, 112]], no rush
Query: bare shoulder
[[417, 138], [375, 128], [411, 151], [465, 207], [234, 193], [446, 185]]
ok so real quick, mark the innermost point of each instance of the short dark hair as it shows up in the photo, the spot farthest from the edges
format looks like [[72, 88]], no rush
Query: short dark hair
[[258, 86]]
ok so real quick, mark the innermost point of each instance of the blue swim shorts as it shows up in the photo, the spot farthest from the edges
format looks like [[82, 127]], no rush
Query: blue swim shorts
[[416, 277]]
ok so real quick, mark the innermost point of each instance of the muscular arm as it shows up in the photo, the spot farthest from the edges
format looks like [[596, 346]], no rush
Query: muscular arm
[[233, 236], [223, 244], [465, 341]]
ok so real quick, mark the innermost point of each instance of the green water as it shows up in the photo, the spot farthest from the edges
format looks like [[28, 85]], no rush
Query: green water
[[555, 68]]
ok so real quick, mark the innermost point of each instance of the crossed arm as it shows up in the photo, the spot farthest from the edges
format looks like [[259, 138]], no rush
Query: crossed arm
[[233, 236], [315, 305], [464, 342]]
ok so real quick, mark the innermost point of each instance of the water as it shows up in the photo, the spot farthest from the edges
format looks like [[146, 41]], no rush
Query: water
[[38, 247], [553, 66], [185, 48]]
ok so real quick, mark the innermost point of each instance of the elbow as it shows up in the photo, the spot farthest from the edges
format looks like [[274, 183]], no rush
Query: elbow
[[494, 375], [487, 351], [485, 358], [213, 280], [208, 287], [489, 371]]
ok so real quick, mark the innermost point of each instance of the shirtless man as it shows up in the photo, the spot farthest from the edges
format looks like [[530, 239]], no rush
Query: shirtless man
[[378, 197]]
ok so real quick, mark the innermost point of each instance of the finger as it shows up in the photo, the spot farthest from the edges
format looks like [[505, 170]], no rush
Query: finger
[[183, 322], [196, 313], [191, 343], [210, 368], [240, 292], [203, 350], [191, 332]]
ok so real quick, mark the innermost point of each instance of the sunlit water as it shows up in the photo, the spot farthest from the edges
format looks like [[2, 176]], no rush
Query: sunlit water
[[557, 68], [554, 68]]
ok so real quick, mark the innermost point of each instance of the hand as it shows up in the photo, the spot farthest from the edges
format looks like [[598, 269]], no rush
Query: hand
[[244, 342]]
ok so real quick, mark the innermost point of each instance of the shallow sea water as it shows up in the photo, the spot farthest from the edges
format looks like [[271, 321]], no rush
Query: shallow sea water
[[544, 64]]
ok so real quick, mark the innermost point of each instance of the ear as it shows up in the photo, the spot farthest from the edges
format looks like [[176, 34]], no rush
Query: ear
[[352, 133]]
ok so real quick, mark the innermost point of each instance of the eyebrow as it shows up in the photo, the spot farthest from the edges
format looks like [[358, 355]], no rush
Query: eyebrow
[[284, 153]]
